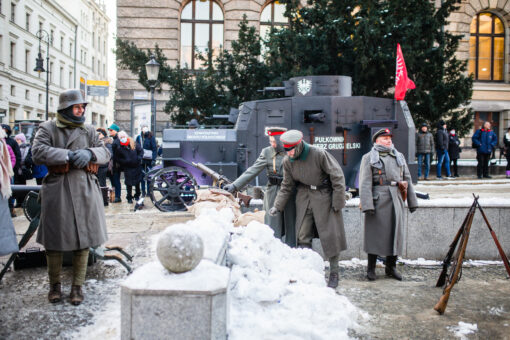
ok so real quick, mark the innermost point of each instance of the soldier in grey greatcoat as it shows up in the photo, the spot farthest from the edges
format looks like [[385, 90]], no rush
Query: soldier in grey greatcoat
[[271, 159], [72, 214], [320, 197], [381, 201]]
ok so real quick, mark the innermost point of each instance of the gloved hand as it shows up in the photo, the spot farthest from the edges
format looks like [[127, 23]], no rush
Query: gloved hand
[[273, 211], [81, 158], [411, 210], [70, 156], [230, 188], [370, 212]]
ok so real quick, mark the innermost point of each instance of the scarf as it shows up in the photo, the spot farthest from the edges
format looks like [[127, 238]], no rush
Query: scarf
[[375, 160], [5, 168], [65, 118]]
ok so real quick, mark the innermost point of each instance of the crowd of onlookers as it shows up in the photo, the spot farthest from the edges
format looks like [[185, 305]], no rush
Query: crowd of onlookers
[[446, 145], [133, 157]]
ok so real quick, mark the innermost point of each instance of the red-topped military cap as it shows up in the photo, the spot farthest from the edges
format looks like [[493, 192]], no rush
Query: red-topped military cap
[[291, 139], [274, 130], [382, 132]]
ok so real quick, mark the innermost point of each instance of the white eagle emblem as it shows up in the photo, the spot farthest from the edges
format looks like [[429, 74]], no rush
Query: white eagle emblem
[[304, 86]]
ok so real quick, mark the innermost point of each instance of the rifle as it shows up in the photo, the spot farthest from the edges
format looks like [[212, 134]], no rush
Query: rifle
[[220, 181], [459, 258], [448, 258], [500, 250]]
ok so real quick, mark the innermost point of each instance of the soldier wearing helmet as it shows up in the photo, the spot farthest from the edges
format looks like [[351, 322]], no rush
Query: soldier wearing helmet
[[72, 152], [384, 186], [271, 160]]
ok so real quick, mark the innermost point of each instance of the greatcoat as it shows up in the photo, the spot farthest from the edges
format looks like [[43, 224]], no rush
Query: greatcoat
[[384, 231], [72, 212], [314, 167], [284, 222]]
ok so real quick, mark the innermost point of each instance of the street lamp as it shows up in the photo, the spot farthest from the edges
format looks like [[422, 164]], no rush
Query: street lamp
[[152, 69], [39, 67]]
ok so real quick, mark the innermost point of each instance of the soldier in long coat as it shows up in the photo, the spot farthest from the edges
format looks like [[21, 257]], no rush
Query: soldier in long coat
[[381, 201], [320, 197], [72, 214], [271, 159]]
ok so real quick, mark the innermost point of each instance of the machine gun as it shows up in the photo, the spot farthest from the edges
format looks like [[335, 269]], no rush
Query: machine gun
[[220, 181]]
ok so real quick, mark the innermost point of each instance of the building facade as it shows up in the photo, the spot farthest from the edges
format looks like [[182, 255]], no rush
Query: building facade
[[67, 27], [180, 27]]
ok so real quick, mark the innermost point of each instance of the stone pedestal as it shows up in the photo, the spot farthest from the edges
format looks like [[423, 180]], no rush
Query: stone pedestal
[[156, 304]]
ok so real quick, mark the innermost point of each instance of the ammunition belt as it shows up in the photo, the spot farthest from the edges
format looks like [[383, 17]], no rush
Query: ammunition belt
[[275, 180], [62, 169]]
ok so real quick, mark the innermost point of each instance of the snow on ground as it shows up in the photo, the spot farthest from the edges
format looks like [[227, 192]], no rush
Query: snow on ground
[[463, 329], [280, 292]]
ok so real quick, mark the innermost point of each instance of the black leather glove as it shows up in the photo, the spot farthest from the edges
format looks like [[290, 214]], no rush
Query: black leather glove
[[370, 212], [273, 211], [81, 158], [411, 210], [70, 156], [230, 188]]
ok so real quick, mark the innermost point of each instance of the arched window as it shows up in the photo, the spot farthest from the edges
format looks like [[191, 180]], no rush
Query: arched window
[[487, 47], [272, 16], [201, 27]]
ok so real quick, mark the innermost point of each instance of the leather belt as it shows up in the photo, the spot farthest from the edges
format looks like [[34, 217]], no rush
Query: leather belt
[[390, 183], [275, 180], [316, 187]]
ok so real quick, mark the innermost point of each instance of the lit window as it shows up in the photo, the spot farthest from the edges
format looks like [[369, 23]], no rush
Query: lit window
[[486, 47], [272, 16], [201, 28]]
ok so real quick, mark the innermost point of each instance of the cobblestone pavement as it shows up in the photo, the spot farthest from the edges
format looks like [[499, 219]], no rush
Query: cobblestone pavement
[[398, 310]]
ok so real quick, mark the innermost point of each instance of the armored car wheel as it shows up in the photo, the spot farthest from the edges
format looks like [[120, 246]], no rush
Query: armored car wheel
[[172, 189]]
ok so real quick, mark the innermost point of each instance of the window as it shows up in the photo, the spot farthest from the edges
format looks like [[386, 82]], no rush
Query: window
[[12, 54], [27, 94], [99, 67], [70, 49], [61, 76], [201, 28], [13, 12], [93, 64], [71, 79], [40, 25], [487, 47], [62, 44], [104, 47], [52, 35], [104, 70], [51, 72], [93, 39], [272, 17], [39, 98], [13, 90], [27, 60], [27, 21]]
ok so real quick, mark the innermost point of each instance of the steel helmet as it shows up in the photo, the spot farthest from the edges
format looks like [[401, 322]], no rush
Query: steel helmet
[[69, 98]]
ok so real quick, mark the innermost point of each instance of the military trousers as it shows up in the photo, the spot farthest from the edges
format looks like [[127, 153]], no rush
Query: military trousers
[[306, 233]]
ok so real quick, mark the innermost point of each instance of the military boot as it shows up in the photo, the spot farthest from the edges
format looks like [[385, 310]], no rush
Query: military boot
[[391, 268], [55, 294], [76, 295], [333, 280], [372, 259]]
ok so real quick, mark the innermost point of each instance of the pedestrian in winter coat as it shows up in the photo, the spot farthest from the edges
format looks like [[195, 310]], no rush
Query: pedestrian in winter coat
[[506, 142], [271, 160], [72, 214], [485, 141], [424, 149], [454, 151], [8, 242], [442, 150], [147, 142], [320, 184], [128, 157], [14, 145], [24, 171], [113, 131], [382, 171], [105, 169]]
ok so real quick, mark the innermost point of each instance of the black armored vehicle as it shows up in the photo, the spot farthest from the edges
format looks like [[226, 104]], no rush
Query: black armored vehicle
[[322, 107]]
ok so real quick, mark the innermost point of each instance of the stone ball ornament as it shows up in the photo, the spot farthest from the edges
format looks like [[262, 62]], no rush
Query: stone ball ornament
[[180, 249]]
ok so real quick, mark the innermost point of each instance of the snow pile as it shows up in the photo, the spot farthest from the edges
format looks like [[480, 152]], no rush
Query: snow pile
[[280, 292], [463, 329]]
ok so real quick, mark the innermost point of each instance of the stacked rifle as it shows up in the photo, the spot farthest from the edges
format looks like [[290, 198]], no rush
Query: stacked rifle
[[452, 264]]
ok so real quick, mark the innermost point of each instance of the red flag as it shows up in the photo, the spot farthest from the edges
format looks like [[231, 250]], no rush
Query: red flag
[[402, 82]]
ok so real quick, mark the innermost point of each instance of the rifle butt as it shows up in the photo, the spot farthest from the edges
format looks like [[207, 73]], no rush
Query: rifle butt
[[440, 306]]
